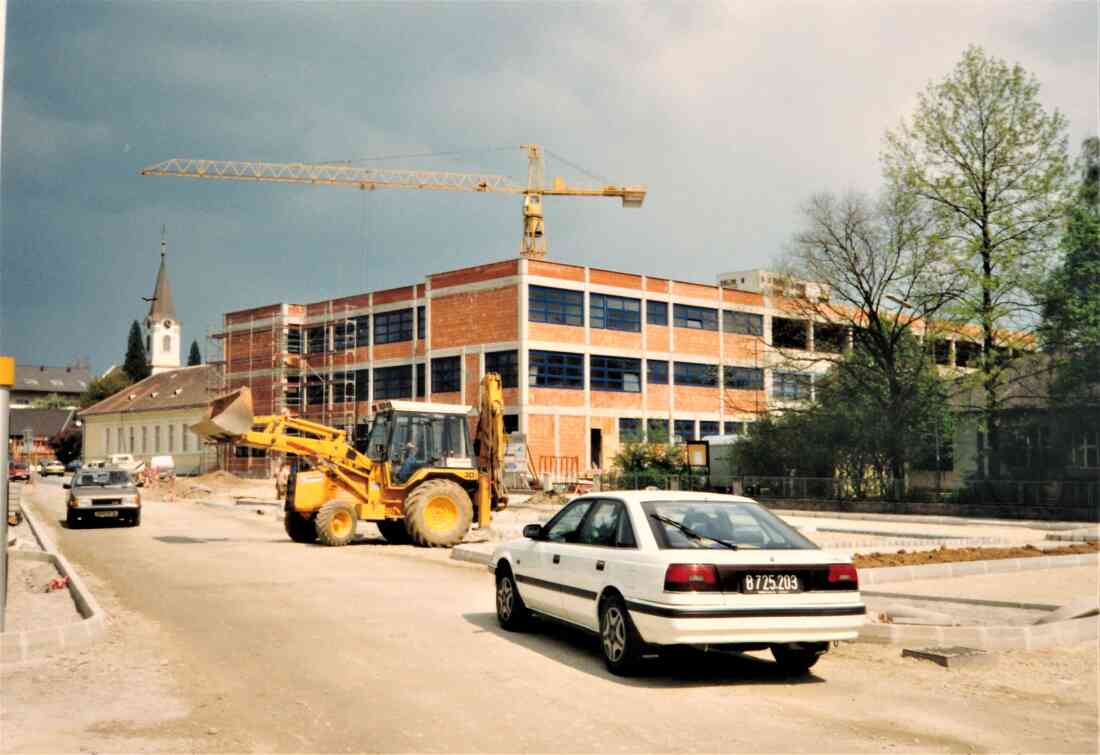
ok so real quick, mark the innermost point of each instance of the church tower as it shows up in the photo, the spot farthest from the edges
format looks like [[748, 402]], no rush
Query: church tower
[[162, 329]]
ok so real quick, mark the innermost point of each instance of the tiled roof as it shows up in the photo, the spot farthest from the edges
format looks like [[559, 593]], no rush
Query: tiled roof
[[173, 389], [44, 423], [43, 379]]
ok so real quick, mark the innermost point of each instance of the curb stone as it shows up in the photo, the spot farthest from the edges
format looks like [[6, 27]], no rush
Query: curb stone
[[471, 554], [17, 647], [1029, 637]]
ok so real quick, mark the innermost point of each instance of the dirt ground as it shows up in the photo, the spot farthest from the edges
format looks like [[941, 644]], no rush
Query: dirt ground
[[30, 606], [216, 484], [944, 555]]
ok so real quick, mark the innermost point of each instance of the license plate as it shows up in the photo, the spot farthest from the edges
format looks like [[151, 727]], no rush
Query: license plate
[[106, 513], [770, 583]]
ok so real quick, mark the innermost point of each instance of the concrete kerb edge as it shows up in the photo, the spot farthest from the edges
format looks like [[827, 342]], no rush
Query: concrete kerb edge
[[471, 554], [17, 647], [885, 575], [1031, 637]]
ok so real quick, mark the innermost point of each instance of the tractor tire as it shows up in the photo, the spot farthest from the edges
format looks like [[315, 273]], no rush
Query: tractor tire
[[394, 531], [438, 514], [335, 523], [299, 528]]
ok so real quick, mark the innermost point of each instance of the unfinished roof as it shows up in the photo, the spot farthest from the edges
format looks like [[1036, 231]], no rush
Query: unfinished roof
[[174, 389], [42, 379], [162, 308]]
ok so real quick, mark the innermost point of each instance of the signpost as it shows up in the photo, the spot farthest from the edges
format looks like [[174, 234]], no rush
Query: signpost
[[7, 380]]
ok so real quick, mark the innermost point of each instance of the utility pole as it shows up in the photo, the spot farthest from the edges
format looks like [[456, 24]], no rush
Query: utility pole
[[7, 380]]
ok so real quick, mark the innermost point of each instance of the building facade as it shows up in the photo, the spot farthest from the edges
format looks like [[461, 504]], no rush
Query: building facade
[[590, 358]]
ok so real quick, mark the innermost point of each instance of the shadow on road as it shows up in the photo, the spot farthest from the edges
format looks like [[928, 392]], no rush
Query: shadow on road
[[678, 667]]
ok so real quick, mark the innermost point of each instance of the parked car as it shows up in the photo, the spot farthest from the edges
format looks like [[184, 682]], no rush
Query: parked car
[[647, 570], [18, 470], [73, 465], [136, 467], [51, 467], [102, 493]]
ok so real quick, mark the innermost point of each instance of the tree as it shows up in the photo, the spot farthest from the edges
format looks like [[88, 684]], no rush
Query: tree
[[652, 457], [884, 283], [52, 401], [194, 357], [992, 163], [67, 445], [103, 387], [1070, 331], [136, 365]]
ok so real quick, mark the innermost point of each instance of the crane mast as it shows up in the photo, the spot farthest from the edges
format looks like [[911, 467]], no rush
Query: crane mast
[[533, 243]]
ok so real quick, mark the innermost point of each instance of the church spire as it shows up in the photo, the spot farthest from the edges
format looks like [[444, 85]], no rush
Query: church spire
[[162, 307]]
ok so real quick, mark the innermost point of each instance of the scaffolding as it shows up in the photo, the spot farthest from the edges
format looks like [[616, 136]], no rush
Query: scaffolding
[[214, 456]]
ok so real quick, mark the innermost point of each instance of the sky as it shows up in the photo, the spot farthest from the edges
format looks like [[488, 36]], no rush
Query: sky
[[732, 114]]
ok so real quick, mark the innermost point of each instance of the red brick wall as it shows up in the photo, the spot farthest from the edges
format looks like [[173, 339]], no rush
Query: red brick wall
[[555, 270], [697, 342], [474, 274], [615, 400], [615, 338], [392, 295], [477, 317], [571, 439], [657, 397], [540, 331], [696, 399], [540, 436], [555, 397], [609, 278]]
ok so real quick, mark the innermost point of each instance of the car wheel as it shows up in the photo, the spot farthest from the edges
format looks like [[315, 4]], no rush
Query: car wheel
[[797, 660], [512, 613], [72, 521], [135, 520], [620, 642]]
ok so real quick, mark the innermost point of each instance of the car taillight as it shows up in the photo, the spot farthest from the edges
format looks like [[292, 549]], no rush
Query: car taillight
[[691, 578], [844, 574]]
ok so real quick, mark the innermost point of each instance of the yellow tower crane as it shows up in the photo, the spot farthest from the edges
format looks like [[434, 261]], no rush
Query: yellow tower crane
[[533, 243]]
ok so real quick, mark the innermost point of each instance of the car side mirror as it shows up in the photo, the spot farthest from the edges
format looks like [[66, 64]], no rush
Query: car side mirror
[[67, 485], [533, 531]]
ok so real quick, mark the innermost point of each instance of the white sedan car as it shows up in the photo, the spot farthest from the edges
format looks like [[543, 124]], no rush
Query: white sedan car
[[649, 569]]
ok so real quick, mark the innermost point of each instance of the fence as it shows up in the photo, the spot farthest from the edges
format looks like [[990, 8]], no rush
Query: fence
[[650, 480]]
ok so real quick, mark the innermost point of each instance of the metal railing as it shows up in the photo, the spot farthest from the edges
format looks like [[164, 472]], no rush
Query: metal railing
[[649, 480]]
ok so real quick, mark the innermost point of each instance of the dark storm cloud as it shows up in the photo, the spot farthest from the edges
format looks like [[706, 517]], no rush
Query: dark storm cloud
[[731, 113]]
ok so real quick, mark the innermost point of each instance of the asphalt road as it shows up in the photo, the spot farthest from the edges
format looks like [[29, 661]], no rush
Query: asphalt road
[[277, 646]]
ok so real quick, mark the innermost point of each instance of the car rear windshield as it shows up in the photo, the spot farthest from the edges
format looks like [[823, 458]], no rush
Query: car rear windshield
[[746, 525], [102, 478]]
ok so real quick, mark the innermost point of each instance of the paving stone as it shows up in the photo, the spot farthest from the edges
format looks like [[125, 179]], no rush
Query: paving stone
[[951, 657]]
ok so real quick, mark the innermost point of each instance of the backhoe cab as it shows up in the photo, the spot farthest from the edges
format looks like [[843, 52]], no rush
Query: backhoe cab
[[418, 476]]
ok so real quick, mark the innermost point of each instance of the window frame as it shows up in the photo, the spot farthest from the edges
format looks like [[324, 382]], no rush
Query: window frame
[[509, 373], [751, 378], [656, 312], [687, 374], [741, 323], [446, 374], [555, 306], [663, 367], [536, 360], [682, 314], [394, 326], [380, 380], [611, 373], [610, 312]]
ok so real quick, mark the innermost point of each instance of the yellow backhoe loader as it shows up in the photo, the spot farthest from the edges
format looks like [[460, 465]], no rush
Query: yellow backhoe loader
[[418, 477]]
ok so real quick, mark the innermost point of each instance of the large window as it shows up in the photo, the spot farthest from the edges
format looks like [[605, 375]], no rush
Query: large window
[[446, 374], [555, 369], [743, 323], [630, 430], [791, 386], [788, 334], [421, 388], [318, 340], [656, 430], [1086, 450], [615, 313], [684, 430], [744, 378], [692, 373], [362, 384], [293, 339], [707, 428], [393, 327], [362, 330], [393, 382], [555, 305], [421, 323], [315, 389], [656, 372], [343, 335], [694, 318], [656, 312], [506, 363], [616, 374]]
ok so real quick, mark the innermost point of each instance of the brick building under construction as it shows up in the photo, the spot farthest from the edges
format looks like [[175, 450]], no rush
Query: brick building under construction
[[608, 356]]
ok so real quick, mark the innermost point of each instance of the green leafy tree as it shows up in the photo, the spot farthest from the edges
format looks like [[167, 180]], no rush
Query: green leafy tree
[[68, 445], [992, 163], [52, 401], [1070, 331], [103, 387], [885, 282], [653, 457], [136, 364], [194, 358]]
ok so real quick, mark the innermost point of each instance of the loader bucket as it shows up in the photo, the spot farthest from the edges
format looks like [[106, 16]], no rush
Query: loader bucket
[[227, 416]]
